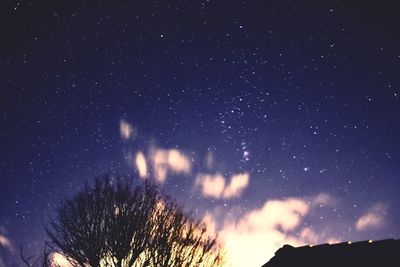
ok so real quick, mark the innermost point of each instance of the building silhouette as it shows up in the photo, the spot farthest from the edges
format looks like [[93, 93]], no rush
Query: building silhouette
[[364, 254]]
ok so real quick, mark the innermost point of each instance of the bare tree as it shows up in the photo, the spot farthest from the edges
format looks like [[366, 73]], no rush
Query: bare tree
[[180, 240], [80, 230], [114, 223], [128, 221]]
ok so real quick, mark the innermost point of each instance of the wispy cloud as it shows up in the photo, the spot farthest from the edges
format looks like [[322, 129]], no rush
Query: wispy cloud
[[141, 165], [209, 160], [214, 185], [309, 236], [253, 238], [211, 185], [169, 160], [6, 243], [125, 129], [324, 199], [373, 219], [238, 183]]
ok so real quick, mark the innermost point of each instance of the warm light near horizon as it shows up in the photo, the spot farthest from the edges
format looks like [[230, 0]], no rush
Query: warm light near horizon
[[58, 260]]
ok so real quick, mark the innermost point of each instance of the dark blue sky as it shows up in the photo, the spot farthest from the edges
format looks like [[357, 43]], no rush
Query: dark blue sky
[[302, 99]]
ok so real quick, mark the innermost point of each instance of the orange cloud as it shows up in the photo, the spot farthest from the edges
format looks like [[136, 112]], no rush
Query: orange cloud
[[141, 165], [214, 186]]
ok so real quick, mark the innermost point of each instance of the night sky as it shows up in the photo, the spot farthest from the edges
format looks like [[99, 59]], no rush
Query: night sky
[[274, 121]]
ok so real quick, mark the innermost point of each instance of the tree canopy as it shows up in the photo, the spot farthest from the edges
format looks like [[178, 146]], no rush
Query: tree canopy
[[114, 223]]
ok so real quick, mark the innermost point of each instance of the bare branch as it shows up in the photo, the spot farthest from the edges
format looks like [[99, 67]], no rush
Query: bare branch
[[113, 223]]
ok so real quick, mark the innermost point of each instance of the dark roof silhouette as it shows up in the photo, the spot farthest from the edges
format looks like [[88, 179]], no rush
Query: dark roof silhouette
[[363, 254]]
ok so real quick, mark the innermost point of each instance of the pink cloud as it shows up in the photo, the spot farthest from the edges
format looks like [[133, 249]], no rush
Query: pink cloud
[[211, 185], [6, 243], [214, 185], [324, 199], [178, 162], [141, 165], [374, 218], [238, 183], [169, 160], [309, 236], [125, 129]]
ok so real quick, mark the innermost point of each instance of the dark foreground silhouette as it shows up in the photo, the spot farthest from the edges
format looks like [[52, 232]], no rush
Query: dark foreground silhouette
[[119, 221], [365, 254]]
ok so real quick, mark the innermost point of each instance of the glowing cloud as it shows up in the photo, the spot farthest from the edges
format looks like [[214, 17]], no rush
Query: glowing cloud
[[238, 183], [58, 260], [254, 239], [125, 130], [160, 165], [165, 160], [214, 186], [178, 162], [372, 219], [369, 220], [211, 185], [141, 165], [208, 220], [6, 243], [309, 236]]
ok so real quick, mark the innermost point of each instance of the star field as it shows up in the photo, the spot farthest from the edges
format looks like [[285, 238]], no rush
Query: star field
[[287, 106]]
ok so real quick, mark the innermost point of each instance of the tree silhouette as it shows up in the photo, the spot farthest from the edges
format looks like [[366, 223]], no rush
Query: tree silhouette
[[114, 223], [42, 260]]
